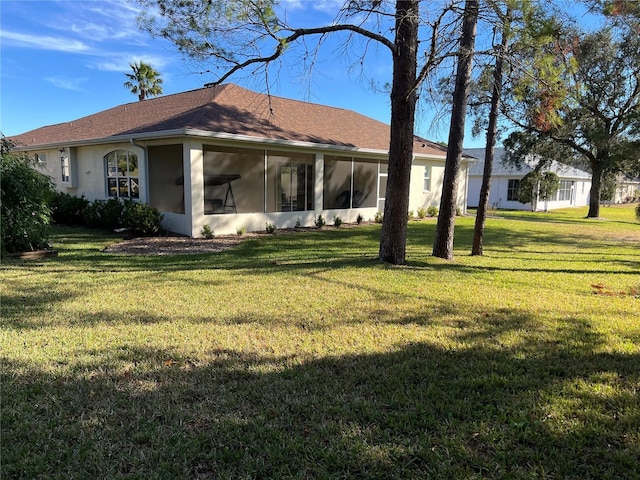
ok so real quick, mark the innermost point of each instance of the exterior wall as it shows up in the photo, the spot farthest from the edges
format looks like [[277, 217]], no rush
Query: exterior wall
[[170, 161], [421, 198], [500, 185], [90, 170]]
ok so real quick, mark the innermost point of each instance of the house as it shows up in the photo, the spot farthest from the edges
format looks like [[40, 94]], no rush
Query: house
[[627, 189], [228, 157], [505, 180]]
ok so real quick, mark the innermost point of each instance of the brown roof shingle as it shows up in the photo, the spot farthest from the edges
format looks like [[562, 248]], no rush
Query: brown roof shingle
[[226, 109]]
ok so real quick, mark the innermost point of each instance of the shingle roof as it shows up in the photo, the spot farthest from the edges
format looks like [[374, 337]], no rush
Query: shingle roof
[[227, 109], [503, 169]]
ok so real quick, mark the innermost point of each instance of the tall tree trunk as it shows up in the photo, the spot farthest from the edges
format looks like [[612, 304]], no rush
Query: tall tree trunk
[[597, 170], [393, 237], [492, 129], [443, 243]]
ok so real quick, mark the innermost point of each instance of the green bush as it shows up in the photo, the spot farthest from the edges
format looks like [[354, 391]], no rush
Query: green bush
[[422, 213], [320, 221], [359, 219], [206, 232], [141, 219], [104, 214], [270, 227], [67, 209], [378, 217], [432, 211], [24, 210], [241, 230], [337, 221]]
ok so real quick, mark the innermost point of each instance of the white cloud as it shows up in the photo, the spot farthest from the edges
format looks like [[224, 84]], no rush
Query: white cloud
[[67, 83], [44, 42], [121, 61]]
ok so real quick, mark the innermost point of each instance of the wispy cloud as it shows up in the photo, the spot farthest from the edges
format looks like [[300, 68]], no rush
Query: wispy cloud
[[66, 83], [44, 42], [120, 63]]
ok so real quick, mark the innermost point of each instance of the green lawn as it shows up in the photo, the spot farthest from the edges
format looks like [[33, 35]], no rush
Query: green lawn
[[300, 356]]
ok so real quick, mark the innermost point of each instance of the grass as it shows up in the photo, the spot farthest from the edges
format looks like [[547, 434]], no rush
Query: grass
[[300, 356]]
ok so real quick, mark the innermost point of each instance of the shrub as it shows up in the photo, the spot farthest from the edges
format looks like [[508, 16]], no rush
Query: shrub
[[359, 219], [638, 212], [104, 214], [270, 227], [67, 209], [337, 221], [241, 230], [432, 211], [206, 232], [320, 221], [298, 223], [422, 213], [410, 215], [378, 217], [141, 219], [458, 212], [24, 211]]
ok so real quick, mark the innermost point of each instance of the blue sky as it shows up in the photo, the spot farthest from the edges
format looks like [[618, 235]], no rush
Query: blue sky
[[64, 59]]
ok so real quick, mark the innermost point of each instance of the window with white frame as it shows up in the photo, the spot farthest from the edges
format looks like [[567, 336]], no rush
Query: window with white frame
[[65, 168], [122, 174], [512, 190], [427, 179], [564, 191]]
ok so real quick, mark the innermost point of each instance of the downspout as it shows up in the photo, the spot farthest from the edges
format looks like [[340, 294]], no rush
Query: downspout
[[146, 167]]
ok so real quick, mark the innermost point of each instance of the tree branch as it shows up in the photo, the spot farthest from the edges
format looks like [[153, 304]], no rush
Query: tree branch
[[299, 33]]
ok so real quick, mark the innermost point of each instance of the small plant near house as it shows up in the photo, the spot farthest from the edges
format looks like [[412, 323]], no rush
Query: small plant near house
[[432, 211], [241, 230], [458, 212], [141, 219], [422, 213], [378, 217], [638, 212], [206, 232], [337, 221], [410, 215], [298, 223], [359, 219], [270, 227], [320, 221]]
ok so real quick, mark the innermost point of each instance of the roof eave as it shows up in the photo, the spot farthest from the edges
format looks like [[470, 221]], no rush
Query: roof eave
[[190, 132]]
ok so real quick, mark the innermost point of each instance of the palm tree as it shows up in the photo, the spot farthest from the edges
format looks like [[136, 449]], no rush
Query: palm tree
[[144, 81]]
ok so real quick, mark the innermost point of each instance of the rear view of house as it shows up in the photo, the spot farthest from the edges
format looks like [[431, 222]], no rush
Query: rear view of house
[[505, 181], [228, 157]]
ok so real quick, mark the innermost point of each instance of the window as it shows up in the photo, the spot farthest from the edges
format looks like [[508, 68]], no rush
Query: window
[[427, 179], [564, 192], [65, 169], [122, 174], [512, 190]]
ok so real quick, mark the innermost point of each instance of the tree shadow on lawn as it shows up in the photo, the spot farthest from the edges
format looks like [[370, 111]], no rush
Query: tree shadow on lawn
[[540, 408]]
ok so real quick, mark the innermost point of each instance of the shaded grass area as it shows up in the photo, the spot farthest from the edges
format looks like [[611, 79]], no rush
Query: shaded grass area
[[300, 356]]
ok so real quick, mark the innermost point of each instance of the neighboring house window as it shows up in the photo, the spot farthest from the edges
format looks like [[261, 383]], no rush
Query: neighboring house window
[[65, 169], [564, 192], [427, 179], [122, 174], [512, 190]]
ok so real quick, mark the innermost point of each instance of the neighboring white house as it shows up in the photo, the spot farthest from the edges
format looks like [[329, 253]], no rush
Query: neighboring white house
[[627, 190], [505, 180], [228, 157]]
